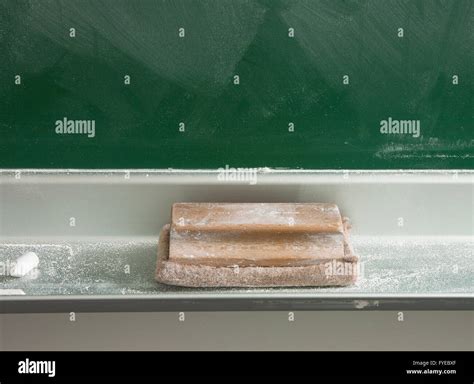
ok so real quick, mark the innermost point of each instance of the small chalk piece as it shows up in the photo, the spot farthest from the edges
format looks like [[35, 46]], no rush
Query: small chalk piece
[[11, 292], [24, 264]]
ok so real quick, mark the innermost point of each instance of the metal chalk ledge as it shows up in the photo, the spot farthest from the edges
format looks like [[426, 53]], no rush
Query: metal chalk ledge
[[96, 232]]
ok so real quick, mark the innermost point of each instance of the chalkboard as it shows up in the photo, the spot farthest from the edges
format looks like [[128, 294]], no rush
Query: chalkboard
[[313, 84]]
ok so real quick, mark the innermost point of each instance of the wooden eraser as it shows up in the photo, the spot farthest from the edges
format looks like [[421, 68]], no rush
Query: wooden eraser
[[255, 234], [251, 217], [263, 240]]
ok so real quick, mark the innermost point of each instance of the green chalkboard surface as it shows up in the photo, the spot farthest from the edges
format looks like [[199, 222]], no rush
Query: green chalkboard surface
[[314, 84]]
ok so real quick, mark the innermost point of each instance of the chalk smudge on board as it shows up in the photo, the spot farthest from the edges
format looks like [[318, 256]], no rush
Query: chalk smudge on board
[[144, 30]]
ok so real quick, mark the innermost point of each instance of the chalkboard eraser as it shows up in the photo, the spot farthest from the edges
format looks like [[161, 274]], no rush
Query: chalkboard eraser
[[256, 245]]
